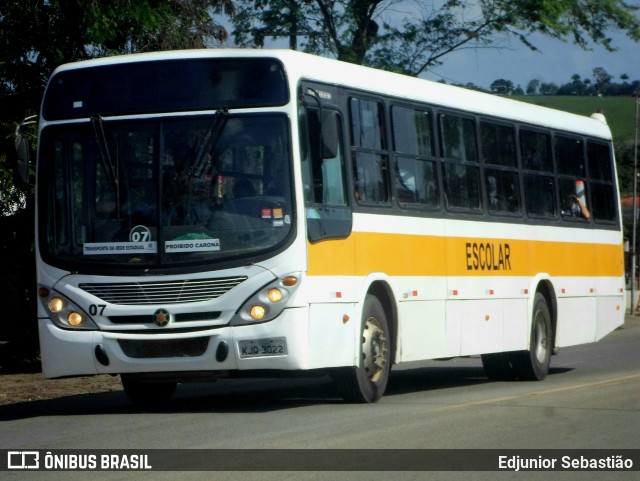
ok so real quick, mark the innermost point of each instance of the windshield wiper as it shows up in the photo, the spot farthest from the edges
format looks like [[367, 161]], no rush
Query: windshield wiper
[[209, 141], [110, 169]]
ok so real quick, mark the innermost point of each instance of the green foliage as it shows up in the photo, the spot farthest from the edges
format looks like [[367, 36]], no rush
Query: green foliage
[[414, 36], [619, 111], [37, 36], [11, 197]]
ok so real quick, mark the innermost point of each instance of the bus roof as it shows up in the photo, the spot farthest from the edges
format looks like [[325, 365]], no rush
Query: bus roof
[[300, 65]]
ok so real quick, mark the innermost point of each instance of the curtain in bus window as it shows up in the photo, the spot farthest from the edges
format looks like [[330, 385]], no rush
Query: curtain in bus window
[[603, 192], [458, 138], [367, 126], [55, 203], [498, 144], [415, 176], [599, 161], [412, 131], [535, 151], [371, 185], [462, 185], [416, 181], [324, 179], [503, 191], [603, 199], [570, 156], [369, 159], [539, 193]]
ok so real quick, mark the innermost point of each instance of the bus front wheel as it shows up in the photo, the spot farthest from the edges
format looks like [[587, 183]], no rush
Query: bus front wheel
[[367, 382]]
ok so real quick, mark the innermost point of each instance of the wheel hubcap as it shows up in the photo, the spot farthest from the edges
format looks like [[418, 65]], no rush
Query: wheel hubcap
[[541, 341], [374, 349]]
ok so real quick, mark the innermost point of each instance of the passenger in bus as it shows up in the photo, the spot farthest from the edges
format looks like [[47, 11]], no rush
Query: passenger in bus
[[243, 188], [243, 201], [492, 188], [201, 204], [576, 208]]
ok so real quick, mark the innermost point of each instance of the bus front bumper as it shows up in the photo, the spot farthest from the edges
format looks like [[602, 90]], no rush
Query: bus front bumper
[[280, 344]]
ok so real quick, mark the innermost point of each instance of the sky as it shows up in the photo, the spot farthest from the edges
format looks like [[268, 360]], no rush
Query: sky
[[556, 62]]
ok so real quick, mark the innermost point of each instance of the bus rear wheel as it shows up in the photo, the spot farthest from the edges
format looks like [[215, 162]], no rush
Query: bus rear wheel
[[533, 364], [367, 382], [147, 394]]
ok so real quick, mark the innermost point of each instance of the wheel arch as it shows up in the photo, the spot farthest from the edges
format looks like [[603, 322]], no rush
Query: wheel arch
[[545, 287], [382, 290]]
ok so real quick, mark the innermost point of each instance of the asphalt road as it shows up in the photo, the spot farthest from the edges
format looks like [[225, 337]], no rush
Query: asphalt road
[[591, 399]]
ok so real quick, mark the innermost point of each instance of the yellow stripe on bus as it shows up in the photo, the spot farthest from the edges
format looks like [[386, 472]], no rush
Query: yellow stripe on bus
[[411, 255]]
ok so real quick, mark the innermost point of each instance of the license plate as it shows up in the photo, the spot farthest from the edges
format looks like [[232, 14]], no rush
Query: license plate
[[276, 346]]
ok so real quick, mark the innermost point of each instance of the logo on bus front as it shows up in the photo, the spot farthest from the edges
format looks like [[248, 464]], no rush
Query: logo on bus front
[[161, 317]]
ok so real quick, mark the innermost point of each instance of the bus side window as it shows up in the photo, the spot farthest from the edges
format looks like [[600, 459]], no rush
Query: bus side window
[[603, 191], [539, 180], [369, 151], [324, 179], [328, 215], [571, 177], [460, 171], [498, 150], [415, 171]]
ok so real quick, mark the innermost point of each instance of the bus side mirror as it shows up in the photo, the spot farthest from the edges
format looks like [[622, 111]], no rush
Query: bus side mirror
[[330, 134], [23, 152]]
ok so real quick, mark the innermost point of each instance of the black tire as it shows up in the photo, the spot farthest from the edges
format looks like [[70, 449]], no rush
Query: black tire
[[498, 366], [533, 364], [147, 394], [367, 382]]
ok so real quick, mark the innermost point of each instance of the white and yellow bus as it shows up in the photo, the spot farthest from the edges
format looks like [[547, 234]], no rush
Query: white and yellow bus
[[233, 212]]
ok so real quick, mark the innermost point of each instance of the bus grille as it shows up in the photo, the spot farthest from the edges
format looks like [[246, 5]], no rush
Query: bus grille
[[165, 292], [140, 349]]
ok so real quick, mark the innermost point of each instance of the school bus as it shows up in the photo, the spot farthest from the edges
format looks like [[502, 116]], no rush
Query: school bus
[[216, 213]]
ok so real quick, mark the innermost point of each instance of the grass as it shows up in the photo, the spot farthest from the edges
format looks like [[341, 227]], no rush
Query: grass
[[619, 111]]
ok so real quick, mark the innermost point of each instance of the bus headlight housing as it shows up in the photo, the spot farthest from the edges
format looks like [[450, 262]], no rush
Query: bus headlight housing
[[268, 303], [63, 312]]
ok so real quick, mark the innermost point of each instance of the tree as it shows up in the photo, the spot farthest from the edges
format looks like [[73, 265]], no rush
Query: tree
[[413, 36], [37, 36], [548, 88], [603, 80], [502, 87], [532, 87]]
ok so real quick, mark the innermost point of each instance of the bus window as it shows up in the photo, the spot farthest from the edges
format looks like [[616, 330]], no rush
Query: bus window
[[569, 156], [534, 147], [324, 180], [573, 198], [460, 171], [498, 144], [603, 192], [599, 161], [458, 138], [327, 213], [369, 154], [539, 193], [503, 191], [416, 177]]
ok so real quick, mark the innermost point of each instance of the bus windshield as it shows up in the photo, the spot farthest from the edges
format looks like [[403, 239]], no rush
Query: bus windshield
[[165, 192]]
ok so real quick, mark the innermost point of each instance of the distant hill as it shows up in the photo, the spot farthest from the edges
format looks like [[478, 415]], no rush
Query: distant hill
[[619, 111]]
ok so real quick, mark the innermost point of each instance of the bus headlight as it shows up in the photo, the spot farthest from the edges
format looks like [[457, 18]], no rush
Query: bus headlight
[[268, 303], [63, 312]]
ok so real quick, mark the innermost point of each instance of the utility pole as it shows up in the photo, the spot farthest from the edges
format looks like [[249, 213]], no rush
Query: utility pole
[[635, 206]]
